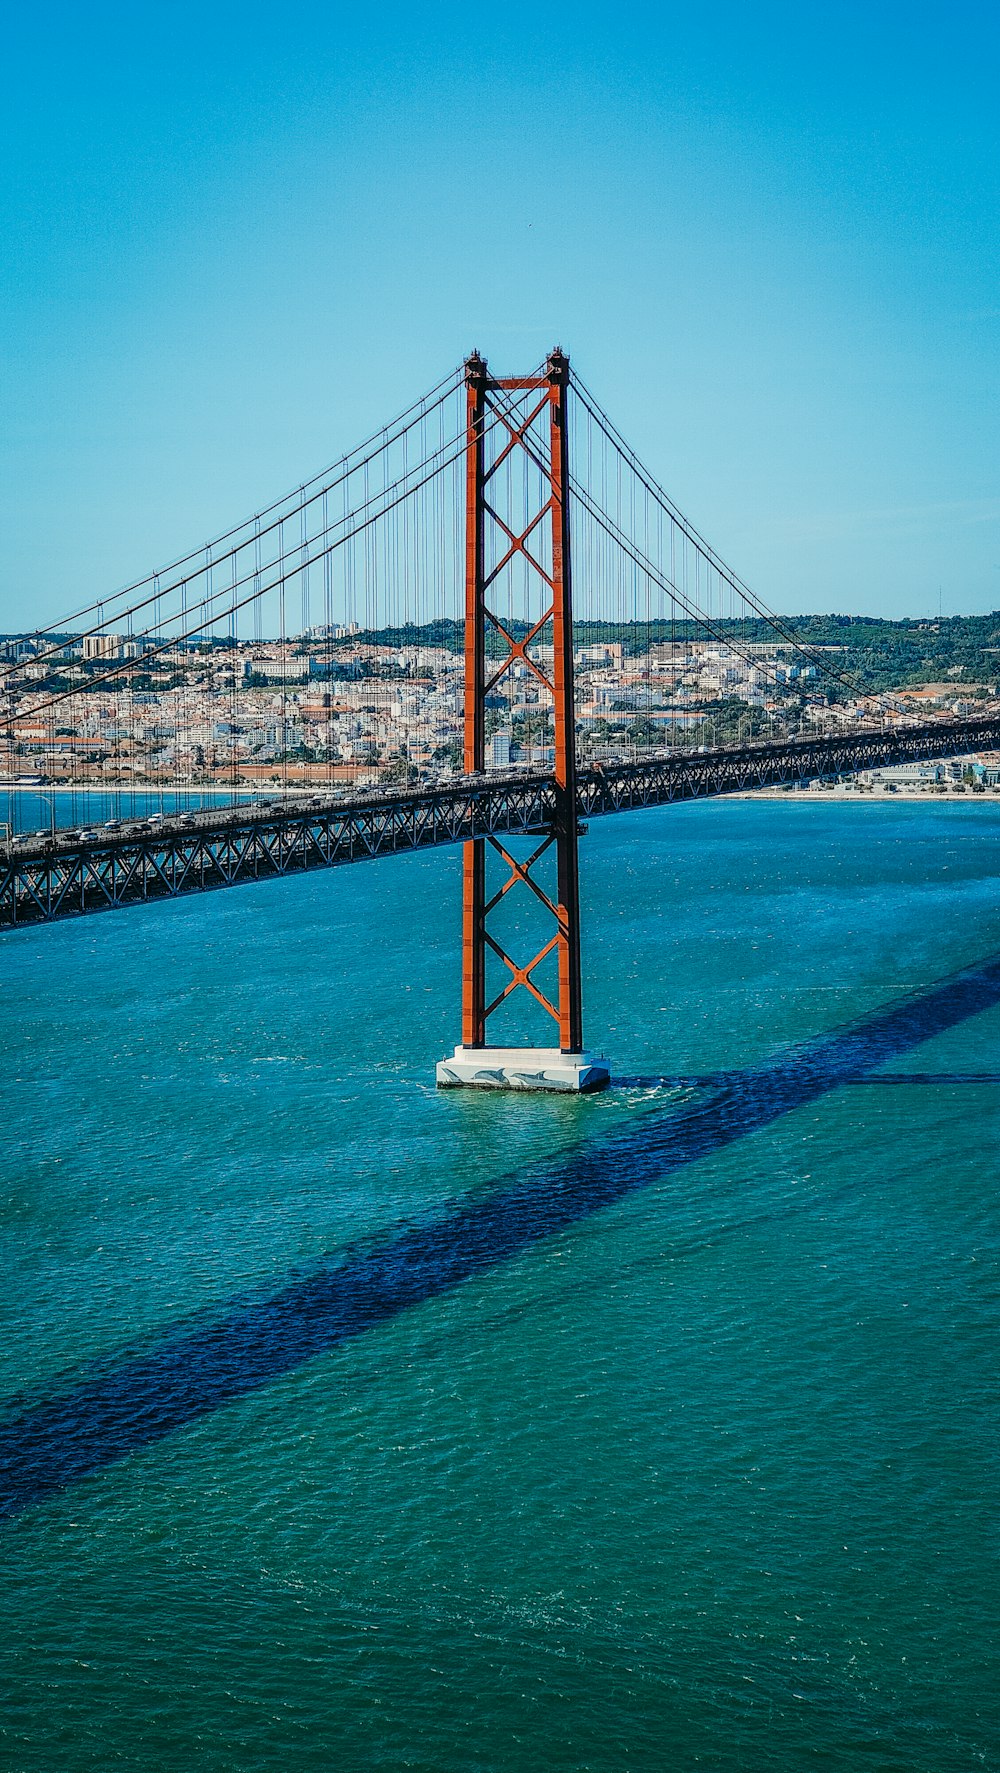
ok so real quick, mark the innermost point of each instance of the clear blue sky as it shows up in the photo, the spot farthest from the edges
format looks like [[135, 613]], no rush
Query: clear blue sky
[[237, 238]]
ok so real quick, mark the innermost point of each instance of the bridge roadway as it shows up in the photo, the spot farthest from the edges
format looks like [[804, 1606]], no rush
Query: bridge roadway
[[71, 873]]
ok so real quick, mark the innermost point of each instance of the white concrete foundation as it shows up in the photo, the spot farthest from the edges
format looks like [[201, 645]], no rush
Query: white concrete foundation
[[522, 1068]]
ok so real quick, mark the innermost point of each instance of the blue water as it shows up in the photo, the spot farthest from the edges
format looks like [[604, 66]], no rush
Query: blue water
[[39, 809], [350, 1424]]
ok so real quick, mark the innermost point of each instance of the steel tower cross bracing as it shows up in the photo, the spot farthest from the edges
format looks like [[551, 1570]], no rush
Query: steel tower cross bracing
[[529, 417]]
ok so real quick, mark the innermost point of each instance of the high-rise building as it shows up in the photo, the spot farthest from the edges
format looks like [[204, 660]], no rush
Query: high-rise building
[[500, 751]]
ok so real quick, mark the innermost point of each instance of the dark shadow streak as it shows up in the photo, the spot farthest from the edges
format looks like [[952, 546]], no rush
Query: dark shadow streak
[[713, 1079], [929, 1077], [136, 1399]]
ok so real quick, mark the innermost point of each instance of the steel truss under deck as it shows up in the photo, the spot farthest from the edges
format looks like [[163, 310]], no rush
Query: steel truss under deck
[[64, 878]]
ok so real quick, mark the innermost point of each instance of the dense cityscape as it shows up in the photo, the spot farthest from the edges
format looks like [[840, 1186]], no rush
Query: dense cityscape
[[341, 705]]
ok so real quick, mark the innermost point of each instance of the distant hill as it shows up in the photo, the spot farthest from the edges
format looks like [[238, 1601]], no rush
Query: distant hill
[[873, 653]]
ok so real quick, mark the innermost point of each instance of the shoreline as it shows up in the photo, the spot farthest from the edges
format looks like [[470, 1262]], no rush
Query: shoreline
[[147, 789], [839, 795], [865, 797], [853, 795]]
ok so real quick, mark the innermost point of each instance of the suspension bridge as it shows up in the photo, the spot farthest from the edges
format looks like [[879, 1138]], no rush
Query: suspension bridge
[[486, 625]]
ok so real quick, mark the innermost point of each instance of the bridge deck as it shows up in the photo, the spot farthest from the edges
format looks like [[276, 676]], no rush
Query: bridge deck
[[65, 876]]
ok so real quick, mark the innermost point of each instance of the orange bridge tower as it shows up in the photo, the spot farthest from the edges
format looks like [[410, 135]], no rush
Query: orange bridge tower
[[519, 674]]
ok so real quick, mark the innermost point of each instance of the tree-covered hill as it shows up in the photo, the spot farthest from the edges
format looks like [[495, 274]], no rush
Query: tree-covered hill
[[872, 653]]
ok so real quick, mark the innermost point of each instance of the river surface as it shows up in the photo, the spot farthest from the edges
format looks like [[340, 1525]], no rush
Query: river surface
[[350, 1424], [40, 809]]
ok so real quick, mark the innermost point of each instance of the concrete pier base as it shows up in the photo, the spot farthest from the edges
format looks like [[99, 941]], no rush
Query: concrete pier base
[[522, 1068]]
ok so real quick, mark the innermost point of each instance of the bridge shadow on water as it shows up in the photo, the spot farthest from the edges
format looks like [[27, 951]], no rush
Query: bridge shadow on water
[[715, 1079], [121, 1404]]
